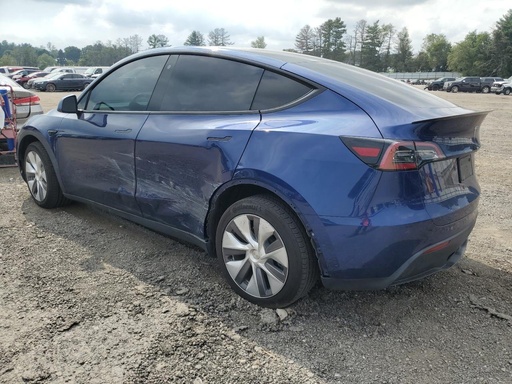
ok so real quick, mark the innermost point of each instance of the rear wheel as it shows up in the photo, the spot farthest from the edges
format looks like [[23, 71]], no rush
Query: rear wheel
[[41, 179], [25, 85], [50, 87], [265, 253]]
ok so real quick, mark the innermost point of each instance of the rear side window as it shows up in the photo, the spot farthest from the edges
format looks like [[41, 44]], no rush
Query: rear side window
[[201, 83], [129, 88], [276, 90]]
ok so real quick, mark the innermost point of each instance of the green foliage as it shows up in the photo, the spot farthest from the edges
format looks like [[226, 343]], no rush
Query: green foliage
[[219, 37], [437, 48], [45, 60], [157, 41], [196, 38], [472, 56], [502, 46], [100, 54], [72, 54], [332, 44], [305, 40], [259, 42], [403, 58], [370, 51], [7, 59]]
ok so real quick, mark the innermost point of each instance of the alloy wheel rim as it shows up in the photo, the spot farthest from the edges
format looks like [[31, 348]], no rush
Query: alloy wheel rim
[[255, 256], [36, 176]]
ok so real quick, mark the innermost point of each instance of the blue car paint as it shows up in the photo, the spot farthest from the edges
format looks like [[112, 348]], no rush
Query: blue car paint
[[182, 159], [96, 157], [369, 228]]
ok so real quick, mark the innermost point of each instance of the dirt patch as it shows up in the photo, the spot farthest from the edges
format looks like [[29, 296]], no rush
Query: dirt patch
[[86, 297]]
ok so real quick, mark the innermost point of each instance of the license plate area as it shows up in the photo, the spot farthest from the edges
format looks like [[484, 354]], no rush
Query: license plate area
[[465, 166]]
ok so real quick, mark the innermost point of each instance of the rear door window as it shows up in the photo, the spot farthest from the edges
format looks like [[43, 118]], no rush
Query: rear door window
[[201, 83]]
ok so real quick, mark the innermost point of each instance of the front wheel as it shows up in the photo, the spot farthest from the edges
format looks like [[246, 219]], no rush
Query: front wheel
[[41, 179], [265, 253], [486, 89], [455, 89], [50, 87], [506, 91]]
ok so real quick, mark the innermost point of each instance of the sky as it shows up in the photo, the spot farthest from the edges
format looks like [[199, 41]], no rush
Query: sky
[[83, 22]]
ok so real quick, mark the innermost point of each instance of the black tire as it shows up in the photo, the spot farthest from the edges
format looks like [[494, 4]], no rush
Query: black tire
[[85, 86], [50, 87], [25, 85], [454, 89], [275, 271], [486, 89], [435, 88], [41, 179], [506, 91]]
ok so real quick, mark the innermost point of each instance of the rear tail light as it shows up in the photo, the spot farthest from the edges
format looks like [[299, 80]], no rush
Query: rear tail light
[[388, 155], [27, 101]]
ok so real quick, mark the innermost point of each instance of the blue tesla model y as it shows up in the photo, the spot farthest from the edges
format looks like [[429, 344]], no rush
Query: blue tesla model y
[[286, 167]]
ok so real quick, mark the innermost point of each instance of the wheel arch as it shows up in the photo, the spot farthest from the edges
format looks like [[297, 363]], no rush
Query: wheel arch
[[241, 188], [25, 141]]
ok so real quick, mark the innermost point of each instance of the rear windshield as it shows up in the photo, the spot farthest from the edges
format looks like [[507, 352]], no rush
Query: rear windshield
[[379, 85]]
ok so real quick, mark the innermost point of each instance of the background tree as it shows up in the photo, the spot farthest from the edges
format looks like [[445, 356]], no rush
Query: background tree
[[259, 42], [359, 34], [195, 39], [333, 45], [388, 38], [370, 51], [25, 54], [437, 48], [403, 56], [305, 40], [7, 59], [219, 37], [45, 60], [72, 54], [157, 41], [472, 56], [420, 62], [135, 43], [502, 46]]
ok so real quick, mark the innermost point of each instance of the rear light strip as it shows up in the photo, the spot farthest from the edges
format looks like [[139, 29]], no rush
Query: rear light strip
[[24, 101], [388, 155]]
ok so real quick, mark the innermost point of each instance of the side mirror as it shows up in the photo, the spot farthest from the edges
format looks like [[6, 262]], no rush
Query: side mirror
[[68, 104]]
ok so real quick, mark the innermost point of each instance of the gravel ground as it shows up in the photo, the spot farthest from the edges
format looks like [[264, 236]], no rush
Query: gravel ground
[[86, 297]]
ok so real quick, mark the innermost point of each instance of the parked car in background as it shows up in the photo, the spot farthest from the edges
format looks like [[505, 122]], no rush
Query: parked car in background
[[27, 103], [498, 86], [23, 81], [94, 72], [487, 83], [470, 84], [436, 85], [62, 82], [287, 167], [506, 89], [22, 72]]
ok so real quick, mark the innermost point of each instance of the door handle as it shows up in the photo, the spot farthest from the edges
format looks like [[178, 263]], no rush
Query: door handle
[[128, 130]]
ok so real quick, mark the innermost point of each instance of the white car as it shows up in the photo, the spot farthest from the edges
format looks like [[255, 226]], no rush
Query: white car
[[27, 103]]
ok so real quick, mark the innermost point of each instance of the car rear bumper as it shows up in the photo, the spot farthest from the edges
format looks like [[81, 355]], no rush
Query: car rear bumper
[[386, 256]]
